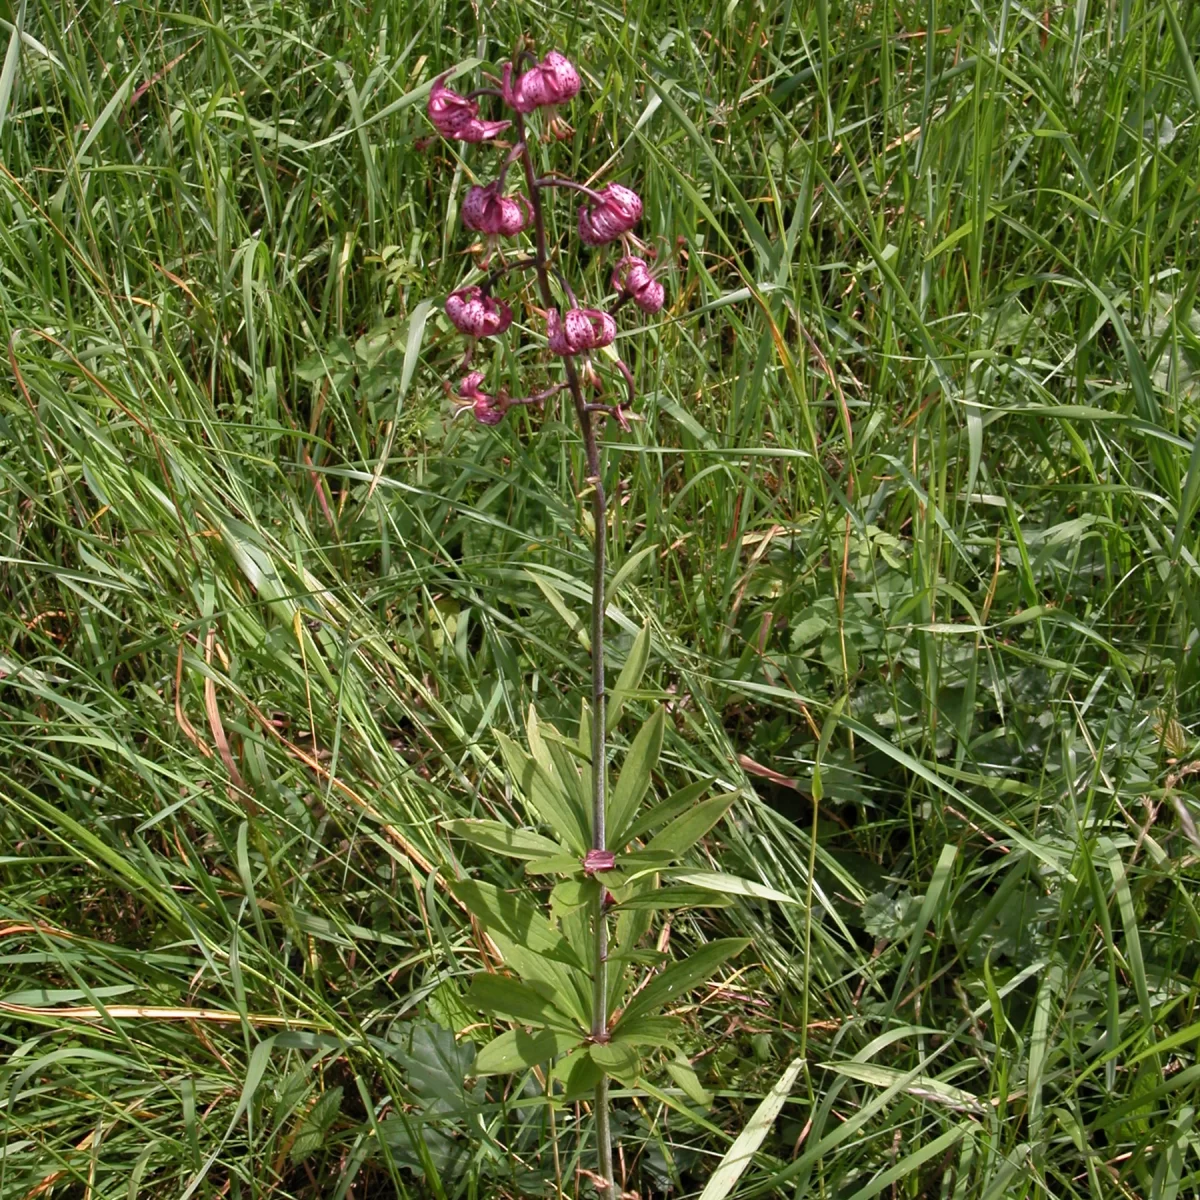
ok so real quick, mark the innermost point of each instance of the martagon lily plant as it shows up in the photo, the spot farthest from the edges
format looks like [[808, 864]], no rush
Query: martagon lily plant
[[586, 998]]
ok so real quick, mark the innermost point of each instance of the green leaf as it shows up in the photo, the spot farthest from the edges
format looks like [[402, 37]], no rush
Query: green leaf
[[578, 1074], [311, 1131], [628, 569], [570, 987], [745, 1146], [12, 63], [828, 727], [559, 760], [545, 798], [498, 838], [412, 355], [682, 976], [671, 897], [515, 916], [1189, 499], [650, 1031], [572, 894], [560, 864], [689, 827], [685, 1077], [644, 958], [635, 775], [640, 861], [909, 1167], [619, 1059], [668, 810], [733, 885], [630, 677], [517, 1049], [521, 1002], [572, 769], [923, 1087], [584, 744], [572, 620], [537, 745]]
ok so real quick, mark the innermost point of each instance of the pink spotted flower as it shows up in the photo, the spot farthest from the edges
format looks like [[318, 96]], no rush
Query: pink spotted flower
[[634, 278], [579, 330], [477, 315], [488, 410], [553, 81], [488, 211], [455, 116], [616, 212]]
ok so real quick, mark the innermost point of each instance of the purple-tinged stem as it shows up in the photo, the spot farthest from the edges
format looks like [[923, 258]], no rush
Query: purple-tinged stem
[[550, 181], [628, 380], [599, 745], [540, 397], [495, 274], [566, 285]]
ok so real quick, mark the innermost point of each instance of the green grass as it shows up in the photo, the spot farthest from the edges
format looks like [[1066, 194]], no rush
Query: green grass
[[920, 440]]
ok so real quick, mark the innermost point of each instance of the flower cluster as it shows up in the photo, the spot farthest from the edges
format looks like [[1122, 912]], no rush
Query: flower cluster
[[608, 215]]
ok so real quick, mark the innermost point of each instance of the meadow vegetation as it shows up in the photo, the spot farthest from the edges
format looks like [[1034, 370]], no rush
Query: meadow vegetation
[[915, 491]]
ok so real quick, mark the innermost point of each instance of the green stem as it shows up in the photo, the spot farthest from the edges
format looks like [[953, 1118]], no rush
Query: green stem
[[595, 480]]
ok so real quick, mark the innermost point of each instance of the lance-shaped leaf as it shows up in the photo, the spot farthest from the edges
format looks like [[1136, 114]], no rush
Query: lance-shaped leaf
[[570, 986], [570, 766], [628, 930], [546, 798], [630, 677], [516, 1050], [681, 977], [635, 775], [689, 827], [524, 1003], [498, 838], [659, 814], [619, 1059], [654, 899], [578, 1074], [572, 894], [546, 746], [685, 1076], [560, 864], [516, 917], [649, 1031], [583, 744], [733, 885]]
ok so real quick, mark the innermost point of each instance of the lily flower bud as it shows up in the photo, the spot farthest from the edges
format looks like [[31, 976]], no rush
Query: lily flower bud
[[579, 330], [605, 221], [477, 315], [454, 116]]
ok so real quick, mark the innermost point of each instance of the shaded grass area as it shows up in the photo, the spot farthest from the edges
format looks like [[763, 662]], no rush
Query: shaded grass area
[[919, 466]]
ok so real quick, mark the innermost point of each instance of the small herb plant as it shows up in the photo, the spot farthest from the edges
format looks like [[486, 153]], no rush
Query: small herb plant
[[587, 998]]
